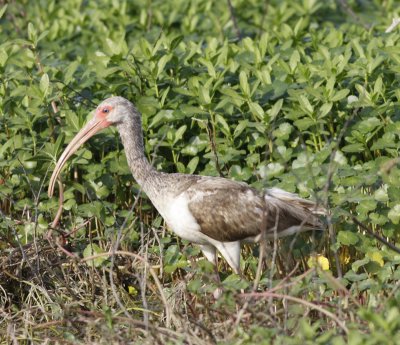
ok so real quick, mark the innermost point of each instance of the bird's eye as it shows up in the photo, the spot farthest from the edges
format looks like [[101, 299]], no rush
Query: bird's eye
[[105, 110]]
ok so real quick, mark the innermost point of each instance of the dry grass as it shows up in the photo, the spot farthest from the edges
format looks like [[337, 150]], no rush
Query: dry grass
[[48, 296]]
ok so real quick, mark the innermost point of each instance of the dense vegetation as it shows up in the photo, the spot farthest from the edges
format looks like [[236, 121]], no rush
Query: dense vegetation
[[302, 95]]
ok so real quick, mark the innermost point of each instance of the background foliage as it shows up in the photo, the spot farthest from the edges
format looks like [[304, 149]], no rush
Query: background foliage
[[299, 95]]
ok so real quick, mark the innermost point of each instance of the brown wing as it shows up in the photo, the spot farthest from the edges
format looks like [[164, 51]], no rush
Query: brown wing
[[226, 210], [230, 211]]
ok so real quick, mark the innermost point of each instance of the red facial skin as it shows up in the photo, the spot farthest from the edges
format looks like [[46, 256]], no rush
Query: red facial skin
[[96, 124]]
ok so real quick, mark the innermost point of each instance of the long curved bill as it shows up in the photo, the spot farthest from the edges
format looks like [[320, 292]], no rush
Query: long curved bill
[[95, 125]]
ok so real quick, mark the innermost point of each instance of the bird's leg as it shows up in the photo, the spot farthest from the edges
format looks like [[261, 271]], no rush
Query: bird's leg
[[231, 253], [210, 253]]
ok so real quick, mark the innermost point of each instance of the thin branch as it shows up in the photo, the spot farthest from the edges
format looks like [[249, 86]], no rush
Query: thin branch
[[331, 170], [375, 235], [395, 23], [211, 135], [233, 18], [268, 294], [347, 9]]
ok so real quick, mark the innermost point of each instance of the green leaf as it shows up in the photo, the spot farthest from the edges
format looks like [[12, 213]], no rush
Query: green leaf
[[113, 48], [233, 94], [381, 195], [145, 47], [394, 214], [239, 173], [192, 165], [164, 115], [32, 33], [5, 146], [354, 277], [276, 108], [42, 35], [376, 257], [256, 110], [305, 103], [347, 238], [283, 131], [264, 43], [359, 263], [161, 63], [3, 10], [70, 70], [358, 48], [92, 250], [204, 95], [180, 167], [219, 119], [378, 86], [325, 109], [358, 147], [340, 95], [235, 282], [243, 124], [366, 205], [175, 42], [3, 57], [209, 65], [369, 125], [294, 60], [44, 84], [270, 170], [304, 124], [179, 133], [244, 84]]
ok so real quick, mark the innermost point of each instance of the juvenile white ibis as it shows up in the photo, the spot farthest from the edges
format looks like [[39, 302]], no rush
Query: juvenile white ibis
[[214, 212]]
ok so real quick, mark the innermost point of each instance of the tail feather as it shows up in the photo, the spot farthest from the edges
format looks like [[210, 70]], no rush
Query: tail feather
[[295, 199], [289, 214]]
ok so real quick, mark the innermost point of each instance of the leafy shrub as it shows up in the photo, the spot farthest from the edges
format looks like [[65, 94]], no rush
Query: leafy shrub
[[298, 95]]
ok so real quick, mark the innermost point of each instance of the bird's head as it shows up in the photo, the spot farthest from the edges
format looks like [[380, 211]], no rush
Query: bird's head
[[112, 111]]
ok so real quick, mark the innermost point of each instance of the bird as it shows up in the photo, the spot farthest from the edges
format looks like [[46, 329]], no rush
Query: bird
[[216, 213]]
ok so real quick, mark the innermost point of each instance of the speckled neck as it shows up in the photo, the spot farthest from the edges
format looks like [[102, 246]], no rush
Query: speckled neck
[[132, 139]]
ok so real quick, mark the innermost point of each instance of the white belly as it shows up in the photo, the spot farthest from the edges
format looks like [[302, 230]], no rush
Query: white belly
[[181, 221]]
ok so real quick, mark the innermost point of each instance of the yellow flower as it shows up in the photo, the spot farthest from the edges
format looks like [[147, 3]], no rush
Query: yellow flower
[[318, 260]]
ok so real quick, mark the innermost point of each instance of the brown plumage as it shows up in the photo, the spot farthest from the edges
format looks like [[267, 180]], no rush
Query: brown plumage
[[214, 212], [237, 206]]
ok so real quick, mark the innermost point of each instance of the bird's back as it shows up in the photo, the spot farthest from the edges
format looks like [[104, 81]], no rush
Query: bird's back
[[228, 211]]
